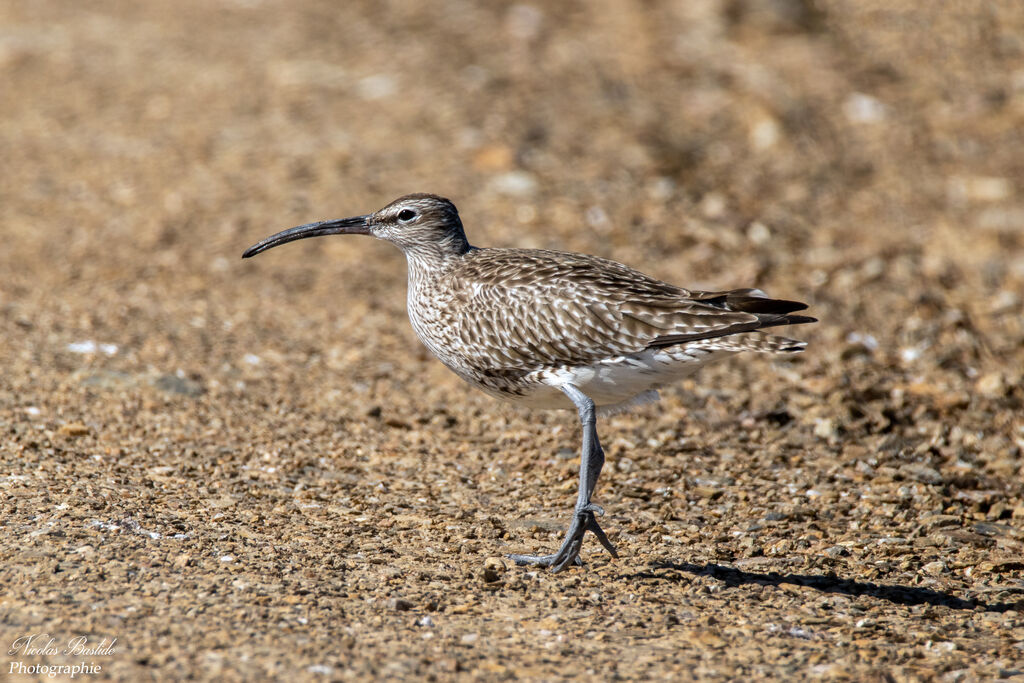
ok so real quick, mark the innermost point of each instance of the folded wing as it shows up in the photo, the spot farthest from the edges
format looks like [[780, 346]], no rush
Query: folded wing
[[559, 308]]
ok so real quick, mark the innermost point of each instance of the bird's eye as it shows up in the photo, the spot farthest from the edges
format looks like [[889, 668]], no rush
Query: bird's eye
[[406, 215]]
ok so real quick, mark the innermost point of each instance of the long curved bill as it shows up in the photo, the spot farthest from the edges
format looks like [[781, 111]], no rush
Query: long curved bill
[[355, 225]]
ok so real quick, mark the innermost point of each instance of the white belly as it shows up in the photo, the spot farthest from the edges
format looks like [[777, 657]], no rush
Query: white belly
[[615, 383]]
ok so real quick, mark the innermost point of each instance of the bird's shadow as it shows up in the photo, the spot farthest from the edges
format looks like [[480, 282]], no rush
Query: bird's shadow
[[896, 594]]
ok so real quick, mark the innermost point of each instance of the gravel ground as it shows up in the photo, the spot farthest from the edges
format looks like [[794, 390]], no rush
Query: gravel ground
[[249, 470]]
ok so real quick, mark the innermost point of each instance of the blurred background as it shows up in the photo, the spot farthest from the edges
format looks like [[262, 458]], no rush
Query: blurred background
[[865, 157]]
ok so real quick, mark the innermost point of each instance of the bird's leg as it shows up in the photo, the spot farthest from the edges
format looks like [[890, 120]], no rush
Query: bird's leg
[[585, 515]]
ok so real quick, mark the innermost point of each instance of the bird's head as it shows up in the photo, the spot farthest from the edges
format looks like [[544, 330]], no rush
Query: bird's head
[[416, 224]]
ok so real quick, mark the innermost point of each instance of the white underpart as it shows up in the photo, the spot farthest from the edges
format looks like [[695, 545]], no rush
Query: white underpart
[[618, 383]]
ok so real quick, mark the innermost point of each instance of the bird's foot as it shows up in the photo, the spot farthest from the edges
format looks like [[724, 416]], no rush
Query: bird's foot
[[584, 520]]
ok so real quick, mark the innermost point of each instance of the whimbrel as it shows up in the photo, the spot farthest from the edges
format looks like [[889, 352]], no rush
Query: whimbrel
[[551, 329]]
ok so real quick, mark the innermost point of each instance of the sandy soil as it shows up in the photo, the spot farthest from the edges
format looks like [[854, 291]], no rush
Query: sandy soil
[[252, 469]]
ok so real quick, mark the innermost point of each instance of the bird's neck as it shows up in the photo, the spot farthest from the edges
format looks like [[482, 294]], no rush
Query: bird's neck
[[429, 261]]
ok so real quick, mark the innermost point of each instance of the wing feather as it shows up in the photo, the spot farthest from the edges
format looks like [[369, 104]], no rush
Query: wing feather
[[571, 309]]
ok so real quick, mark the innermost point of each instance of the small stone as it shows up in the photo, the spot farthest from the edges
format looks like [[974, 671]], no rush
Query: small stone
[[90, 346], [764, 133], [321, 669], [518, 184], [1005, 301], [494, 568], [991, 385], [713, 205], [400, 604], [708, 492], [823, 428], [74, 429], [496, 563], [758, 233], [1001, 566], [183, 386], [922, 473], [979, 189], [861, 108]]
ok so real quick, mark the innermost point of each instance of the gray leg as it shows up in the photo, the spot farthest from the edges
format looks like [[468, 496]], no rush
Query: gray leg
[[585, 515]]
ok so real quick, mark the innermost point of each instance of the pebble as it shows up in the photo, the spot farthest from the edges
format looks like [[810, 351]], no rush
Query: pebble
[[400, 604], [74, 429], [516, 184]]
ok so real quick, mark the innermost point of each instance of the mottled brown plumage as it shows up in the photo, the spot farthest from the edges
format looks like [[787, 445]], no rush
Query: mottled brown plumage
[[554, 329], [509, 319]]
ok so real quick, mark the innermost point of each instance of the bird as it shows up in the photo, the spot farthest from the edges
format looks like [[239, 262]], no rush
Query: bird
[[555, 330]]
